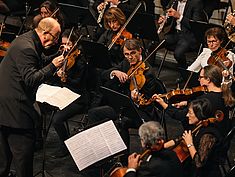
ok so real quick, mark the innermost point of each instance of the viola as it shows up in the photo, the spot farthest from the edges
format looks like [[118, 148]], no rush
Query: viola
[[120, 39], [219, 58], [181, 149], [3, 48]]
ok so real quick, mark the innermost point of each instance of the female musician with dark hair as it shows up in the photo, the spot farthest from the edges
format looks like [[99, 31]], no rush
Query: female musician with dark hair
[[210, 77], [46, 9], [203, 144]]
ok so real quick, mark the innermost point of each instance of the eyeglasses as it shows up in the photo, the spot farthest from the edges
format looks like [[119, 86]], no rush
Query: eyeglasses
[[200, 77], [132, 53], [55, 38], [212, 42]]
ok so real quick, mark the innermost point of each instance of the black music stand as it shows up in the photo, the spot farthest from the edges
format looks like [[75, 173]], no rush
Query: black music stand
[[97, 54], [45, 132], [78, 15], [143, 25], [121, 103]]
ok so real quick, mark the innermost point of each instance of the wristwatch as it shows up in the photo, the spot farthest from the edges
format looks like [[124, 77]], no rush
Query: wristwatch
[[189, 145]]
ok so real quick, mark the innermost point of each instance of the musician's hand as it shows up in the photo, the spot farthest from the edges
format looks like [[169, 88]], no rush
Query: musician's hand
[[173, 13], [58, 61], [231, 19], [187, 136], [158, 99], [133, 161], [59, 72], [100, 7], [123, 77], [180, 104], [161, 19], [225, 73], [134, 94], [227, 63]]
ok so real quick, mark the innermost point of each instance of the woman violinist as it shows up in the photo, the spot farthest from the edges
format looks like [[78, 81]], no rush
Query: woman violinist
[[215, 39], [75, 81], [211, 77], [204, 144], [114, 19], [159, 161], [46, 9]]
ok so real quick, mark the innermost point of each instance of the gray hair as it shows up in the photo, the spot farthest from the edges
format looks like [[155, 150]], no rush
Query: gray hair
[[150, 132]]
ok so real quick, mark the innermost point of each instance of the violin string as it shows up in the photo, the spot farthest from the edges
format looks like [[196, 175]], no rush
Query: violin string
[[159, 45]]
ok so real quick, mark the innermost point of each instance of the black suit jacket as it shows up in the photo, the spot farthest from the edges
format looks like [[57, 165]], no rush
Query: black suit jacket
[[164, 163], [21, 72], [193, 11]]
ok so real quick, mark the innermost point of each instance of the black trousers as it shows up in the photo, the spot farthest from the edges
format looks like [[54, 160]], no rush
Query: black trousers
[[16, 144], [181, 43], [79, 106]]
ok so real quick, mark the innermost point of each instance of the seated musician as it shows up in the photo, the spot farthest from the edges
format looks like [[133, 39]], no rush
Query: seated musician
[[216, 39], [74, 79], [125, 5], [204, 144], [114, 19], [158, 161], [46, 9], [117, 79], [180, 37], [211, 77]]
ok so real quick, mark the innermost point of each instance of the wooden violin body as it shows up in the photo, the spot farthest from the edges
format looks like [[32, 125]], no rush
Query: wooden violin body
[[124, 35], [3, 48], [220, 58], [69, 62]]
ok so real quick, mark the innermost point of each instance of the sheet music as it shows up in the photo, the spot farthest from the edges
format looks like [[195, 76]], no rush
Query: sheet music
[[55, 96], [95, 144]]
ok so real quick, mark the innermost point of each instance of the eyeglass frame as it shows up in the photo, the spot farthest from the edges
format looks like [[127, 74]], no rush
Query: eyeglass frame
[[132, 53]]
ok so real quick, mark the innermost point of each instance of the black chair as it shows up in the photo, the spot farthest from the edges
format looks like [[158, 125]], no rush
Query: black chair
[[224, 161], [224, 5]]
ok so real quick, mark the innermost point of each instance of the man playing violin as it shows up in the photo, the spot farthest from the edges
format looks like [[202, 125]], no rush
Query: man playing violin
[[158, 161], [117, 79]]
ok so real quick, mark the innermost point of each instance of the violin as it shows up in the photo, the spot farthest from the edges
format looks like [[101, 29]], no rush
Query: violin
[[121, 171], [123, 36], [181, 149], [3, 48], [136, 74], [219, 58], [69, 62], [175, 96]]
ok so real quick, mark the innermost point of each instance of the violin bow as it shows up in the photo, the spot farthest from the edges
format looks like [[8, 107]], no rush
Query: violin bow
[[159, 45], [55, 12], [70, 34], [125, 24]]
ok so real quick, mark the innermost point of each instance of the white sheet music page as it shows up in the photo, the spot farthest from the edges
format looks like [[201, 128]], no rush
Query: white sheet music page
[[95, 144], [55, 96]]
